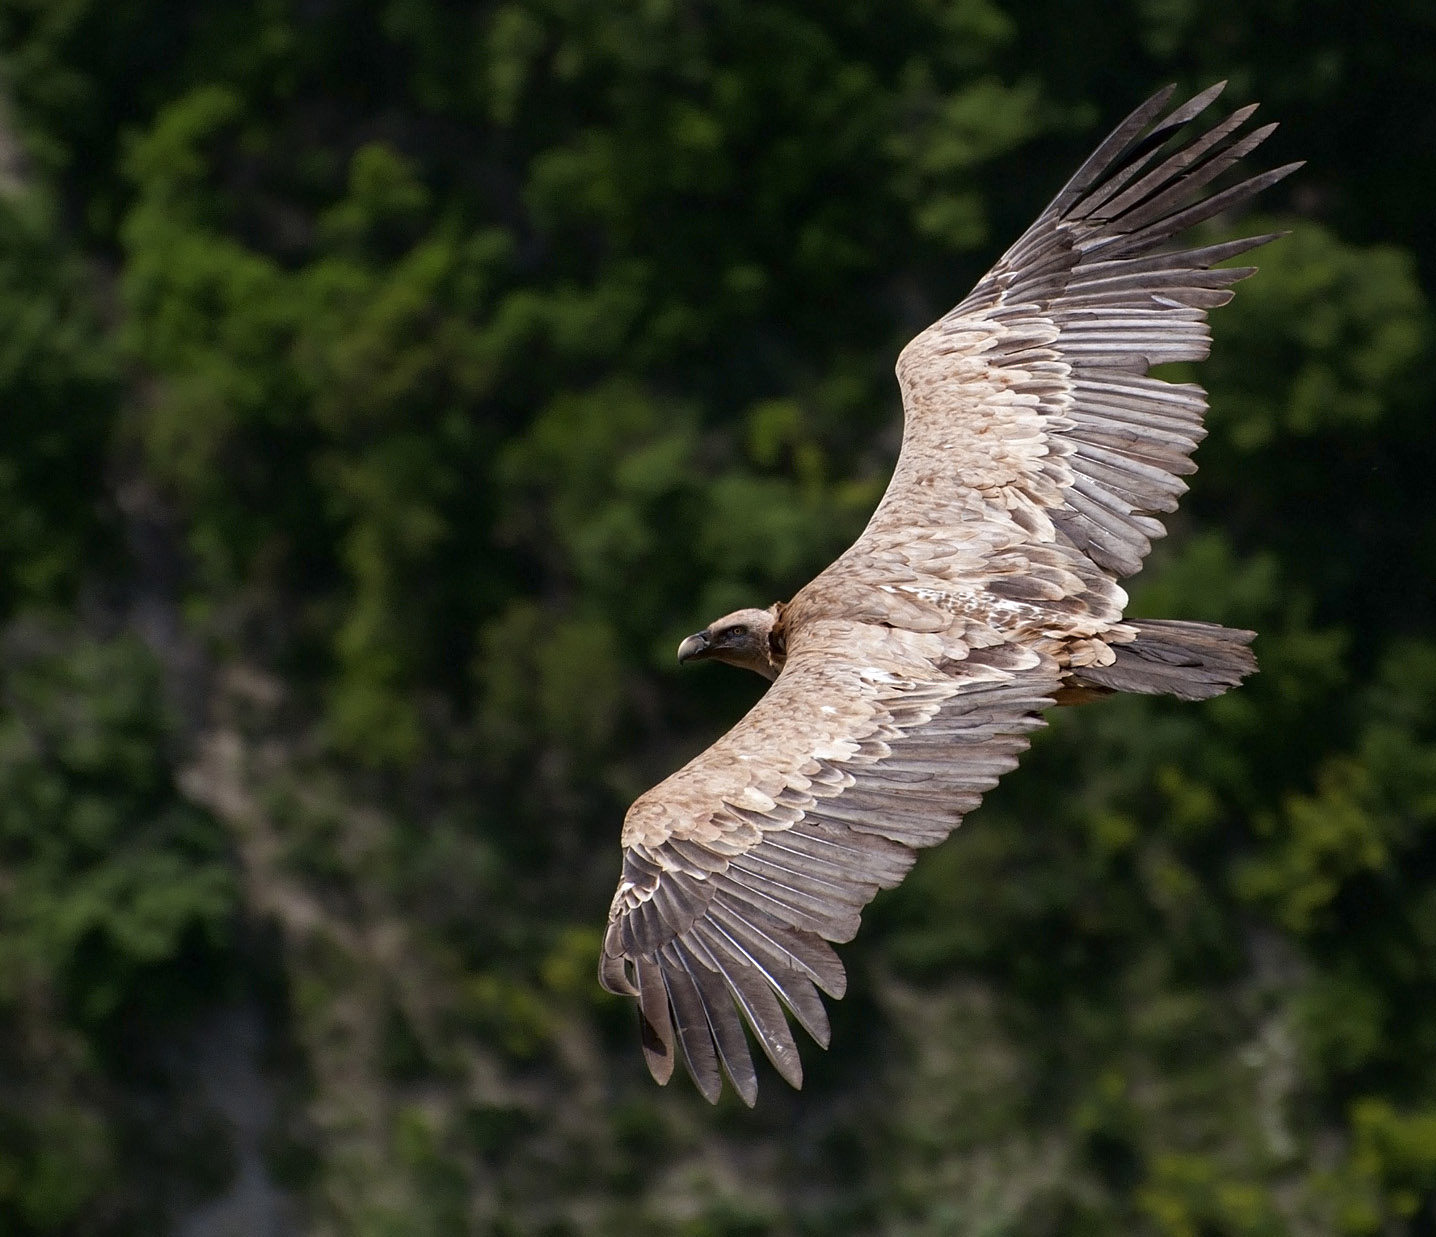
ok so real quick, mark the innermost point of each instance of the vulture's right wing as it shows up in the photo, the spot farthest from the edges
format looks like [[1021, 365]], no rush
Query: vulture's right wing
[[1028, 409]]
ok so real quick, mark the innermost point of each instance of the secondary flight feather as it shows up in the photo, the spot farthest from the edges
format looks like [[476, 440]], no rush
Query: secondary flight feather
[[1037, 455]]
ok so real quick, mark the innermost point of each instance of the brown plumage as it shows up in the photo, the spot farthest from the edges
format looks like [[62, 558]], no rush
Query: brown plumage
[[1036, 456]]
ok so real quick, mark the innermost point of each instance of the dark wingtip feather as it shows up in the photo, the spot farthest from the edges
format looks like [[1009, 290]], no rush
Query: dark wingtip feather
[[724, 1025], [1112, 148], [657, 1054], [1182, 113], [613, 972], [655, 1021], [695, 1037]]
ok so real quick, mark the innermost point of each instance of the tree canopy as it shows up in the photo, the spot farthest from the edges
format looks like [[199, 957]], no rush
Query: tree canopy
[[390, 384]]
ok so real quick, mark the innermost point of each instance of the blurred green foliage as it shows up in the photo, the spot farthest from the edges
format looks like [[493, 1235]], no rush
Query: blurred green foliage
[[117, 919], [390, 384]]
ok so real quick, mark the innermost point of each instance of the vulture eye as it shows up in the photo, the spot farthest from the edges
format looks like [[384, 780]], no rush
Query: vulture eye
[[739, 630]]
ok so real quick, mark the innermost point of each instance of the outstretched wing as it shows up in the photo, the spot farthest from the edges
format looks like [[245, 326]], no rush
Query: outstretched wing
[[741, 867], [1029, 406]]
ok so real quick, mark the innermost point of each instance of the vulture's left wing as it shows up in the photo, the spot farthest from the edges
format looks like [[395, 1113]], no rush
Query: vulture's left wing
[[741, 867]]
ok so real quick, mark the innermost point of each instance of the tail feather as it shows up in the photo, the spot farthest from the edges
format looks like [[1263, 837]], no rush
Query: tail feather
[[1192, 661]]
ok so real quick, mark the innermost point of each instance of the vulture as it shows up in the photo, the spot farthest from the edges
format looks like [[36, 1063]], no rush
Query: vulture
[[1037, 456]]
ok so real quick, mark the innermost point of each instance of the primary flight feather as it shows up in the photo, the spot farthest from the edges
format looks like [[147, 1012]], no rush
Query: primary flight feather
[[1036, 456]]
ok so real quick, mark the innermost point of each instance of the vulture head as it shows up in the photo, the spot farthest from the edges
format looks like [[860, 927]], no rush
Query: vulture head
[[747, 638]]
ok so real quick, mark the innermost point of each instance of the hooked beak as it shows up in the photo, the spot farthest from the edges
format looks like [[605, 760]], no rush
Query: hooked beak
[[694, 646]]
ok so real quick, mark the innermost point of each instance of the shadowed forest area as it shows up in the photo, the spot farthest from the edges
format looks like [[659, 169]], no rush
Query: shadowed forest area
[[389, 386]]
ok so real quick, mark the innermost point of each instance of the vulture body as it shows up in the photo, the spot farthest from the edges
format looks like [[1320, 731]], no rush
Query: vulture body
[[1037, 455]]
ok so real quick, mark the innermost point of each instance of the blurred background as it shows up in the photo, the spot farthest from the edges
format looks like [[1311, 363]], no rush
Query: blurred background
[[388, 386]]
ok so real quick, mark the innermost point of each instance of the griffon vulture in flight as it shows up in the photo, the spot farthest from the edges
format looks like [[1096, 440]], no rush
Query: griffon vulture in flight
[[907, 677]]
